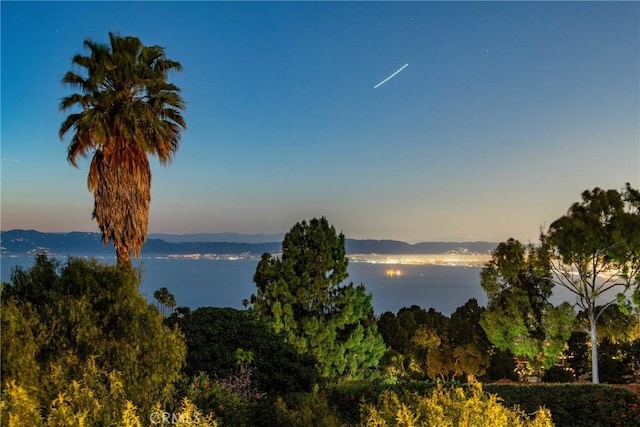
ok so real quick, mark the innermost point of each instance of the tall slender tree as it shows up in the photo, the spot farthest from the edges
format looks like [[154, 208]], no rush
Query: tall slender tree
[[165, 301], [596, 253], [125, 109]]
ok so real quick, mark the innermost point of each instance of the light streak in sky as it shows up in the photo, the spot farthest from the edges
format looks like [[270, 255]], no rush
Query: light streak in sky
[[391, 76]]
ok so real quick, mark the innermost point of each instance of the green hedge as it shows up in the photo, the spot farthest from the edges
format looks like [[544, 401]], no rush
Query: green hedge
[[575, 405], [571, 405], [347, 399]]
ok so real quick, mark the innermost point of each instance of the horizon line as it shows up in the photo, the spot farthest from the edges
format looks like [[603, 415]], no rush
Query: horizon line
[[413, 242]]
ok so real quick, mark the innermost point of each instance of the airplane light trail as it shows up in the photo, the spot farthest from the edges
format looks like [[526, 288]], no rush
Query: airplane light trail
[[391, 76]]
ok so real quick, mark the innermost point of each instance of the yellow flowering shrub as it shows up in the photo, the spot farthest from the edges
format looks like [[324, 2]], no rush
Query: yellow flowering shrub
[[448, 407], [95, 400]]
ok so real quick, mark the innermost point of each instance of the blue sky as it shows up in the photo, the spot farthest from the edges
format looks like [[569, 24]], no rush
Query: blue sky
[[506, 112]]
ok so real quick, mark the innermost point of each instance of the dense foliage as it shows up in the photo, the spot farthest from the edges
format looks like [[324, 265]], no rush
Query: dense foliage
[[449, 407], [575, 405], [596, 252], [571, 405], [94, 398], [519, 317], [427, 344], [55, 319], [303, 410], [301, 293], [217, 337], [81, 346], [618, 361]]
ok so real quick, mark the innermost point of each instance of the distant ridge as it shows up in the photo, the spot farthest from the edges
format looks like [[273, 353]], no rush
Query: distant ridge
[[26, 242], [218, 237]]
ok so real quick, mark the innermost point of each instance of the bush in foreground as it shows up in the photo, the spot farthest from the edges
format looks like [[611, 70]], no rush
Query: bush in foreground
[[78, 323], [96, 399], [308, 409], [571, 405], [449, 407], [575, 405]]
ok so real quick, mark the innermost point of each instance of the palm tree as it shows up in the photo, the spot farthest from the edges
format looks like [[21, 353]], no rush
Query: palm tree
[[161, 298], [127, 110], [165, 301], [171, 303]]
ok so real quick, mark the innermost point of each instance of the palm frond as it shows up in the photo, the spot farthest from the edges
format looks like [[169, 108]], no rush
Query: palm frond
[[128, 111]]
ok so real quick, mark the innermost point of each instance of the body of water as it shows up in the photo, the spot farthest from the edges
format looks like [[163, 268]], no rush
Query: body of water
[[225, 283]]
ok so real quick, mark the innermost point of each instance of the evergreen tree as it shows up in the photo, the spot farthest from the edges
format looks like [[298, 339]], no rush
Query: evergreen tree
[[301, 292]]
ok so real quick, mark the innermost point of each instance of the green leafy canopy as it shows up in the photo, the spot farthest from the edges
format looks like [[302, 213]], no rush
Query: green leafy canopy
[[301, 293]]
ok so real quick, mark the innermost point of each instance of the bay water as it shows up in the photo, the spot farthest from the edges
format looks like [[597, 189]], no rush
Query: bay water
[[227, 282]]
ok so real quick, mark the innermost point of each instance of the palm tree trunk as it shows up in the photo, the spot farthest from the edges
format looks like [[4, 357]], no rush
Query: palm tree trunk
[[123, 256]]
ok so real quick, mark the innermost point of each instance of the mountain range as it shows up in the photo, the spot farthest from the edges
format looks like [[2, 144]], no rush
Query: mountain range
[[27, 242]]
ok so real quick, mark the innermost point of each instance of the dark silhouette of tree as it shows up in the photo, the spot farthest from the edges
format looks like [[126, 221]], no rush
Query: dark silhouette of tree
[[165, 301], [171, 304], [218, 338]]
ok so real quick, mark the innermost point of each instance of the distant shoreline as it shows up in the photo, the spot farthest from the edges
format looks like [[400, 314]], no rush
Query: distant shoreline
[[446, 259], [29, 242], [452, 260]]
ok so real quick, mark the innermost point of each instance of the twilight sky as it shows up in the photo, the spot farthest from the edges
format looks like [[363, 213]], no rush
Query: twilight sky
[[505, 113]]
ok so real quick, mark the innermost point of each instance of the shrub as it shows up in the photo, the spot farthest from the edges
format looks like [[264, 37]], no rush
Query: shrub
[[64, 316], [571, 405], [558, 374], [97, 399], [448, 407], [306, 410], [217, 399], [19, 407], [233, 399], [186, 414], [575, 405], [214, 336], [347, 398]]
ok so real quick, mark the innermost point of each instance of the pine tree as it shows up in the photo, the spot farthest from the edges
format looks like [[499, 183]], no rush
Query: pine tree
[[302, 293]]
